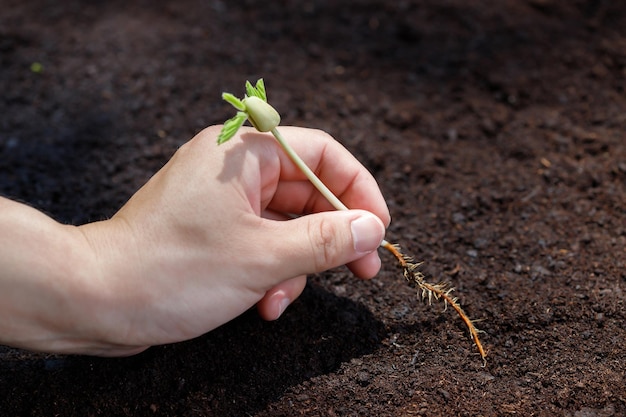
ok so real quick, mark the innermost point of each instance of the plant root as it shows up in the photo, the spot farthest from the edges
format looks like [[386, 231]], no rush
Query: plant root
[[433, 291]]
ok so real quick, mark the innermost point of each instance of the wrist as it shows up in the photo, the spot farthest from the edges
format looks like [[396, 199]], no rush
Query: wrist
[[108, 287]]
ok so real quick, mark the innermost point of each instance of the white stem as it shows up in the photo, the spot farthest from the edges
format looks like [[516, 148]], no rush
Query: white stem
[[317, 183]]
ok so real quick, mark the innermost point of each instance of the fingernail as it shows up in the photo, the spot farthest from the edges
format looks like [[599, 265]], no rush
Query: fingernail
[[367, 233], [282, 306]]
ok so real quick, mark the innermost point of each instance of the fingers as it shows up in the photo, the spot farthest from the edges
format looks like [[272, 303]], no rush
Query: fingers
[[335, 166], [319, 242], [367, 267], [277, 299]]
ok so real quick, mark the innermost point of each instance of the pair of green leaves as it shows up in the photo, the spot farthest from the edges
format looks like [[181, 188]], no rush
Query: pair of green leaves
[[231, 126]]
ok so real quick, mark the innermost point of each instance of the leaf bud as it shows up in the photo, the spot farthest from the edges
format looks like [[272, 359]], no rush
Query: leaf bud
[[262, 116]]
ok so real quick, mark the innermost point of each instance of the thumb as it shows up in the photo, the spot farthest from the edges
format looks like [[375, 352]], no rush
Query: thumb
[[321, 241]]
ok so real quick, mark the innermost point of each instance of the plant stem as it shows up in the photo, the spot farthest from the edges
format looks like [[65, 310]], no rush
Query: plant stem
[[322, 188], [317, 183]]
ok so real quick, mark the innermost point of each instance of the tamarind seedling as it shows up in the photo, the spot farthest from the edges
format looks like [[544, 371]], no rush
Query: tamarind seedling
[[255, 108]]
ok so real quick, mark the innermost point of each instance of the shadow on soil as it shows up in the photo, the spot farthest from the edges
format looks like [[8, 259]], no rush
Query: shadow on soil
[[262, 362]]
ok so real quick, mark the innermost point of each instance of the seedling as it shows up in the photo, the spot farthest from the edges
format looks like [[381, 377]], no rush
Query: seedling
[[255, 108]]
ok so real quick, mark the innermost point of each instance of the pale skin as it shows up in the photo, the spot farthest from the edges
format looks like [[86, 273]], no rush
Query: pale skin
[[210, 235]]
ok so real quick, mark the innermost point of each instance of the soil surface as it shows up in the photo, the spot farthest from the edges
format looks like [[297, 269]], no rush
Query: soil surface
[[497, 132]]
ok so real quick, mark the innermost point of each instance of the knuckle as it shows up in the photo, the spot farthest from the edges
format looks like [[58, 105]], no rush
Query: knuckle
[[324, 245]]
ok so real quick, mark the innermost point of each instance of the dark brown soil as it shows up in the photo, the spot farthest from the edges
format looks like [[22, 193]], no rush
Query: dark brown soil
[[495, 128]]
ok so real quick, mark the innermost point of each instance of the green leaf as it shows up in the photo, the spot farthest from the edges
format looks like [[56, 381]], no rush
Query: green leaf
[[236, 103], [231, 126], [260, 88], [258, 91], [250, 90]]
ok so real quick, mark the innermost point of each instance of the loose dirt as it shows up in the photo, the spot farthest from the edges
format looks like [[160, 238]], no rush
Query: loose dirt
[[496, 130]]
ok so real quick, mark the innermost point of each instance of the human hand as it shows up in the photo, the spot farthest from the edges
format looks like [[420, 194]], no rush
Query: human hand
[[205, 239]]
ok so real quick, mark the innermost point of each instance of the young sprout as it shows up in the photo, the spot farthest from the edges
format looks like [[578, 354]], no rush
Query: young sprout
[[255, 108]]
